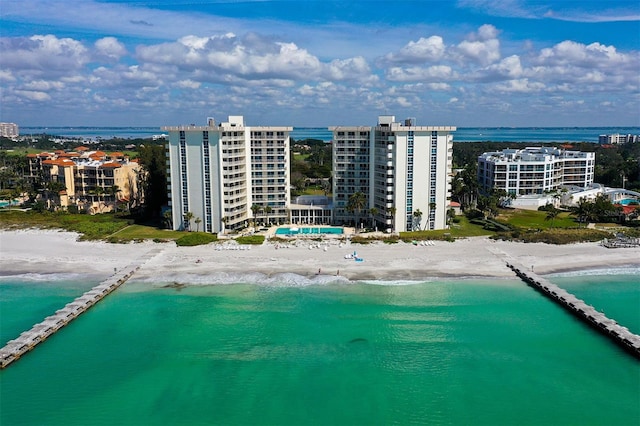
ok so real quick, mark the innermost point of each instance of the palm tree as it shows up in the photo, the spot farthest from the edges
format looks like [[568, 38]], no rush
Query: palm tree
[[356, 203], [466, 190], [552, 213], [255, 209], [198, 221], [187, 217], [417, 218], [168, 218], [113, 191], [392, 212], [451, 213], [99, 192], [268, 210], [224, 221], [53, 190], [583, 211], [373, 212]]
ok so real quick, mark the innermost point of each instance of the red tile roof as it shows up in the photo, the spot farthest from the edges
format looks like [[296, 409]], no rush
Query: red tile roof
[[112, 165]]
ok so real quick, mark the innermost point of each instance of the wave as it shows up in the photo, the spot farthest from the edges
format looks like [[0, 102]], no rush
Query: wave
[[289, 279], [35, 277], [624, 270], [222, 278]]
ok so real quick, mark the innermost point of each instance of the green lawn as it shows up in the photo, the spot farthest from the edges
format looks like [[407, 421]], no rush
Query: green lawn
[[301, 157], [97, 227], [462, 229], [533, 219], [91, 227], [144, 232], [312, 190]]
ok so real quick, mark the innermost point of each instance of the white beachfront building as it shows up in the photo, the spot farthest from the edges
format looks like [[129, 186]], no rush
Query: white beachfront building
[[9, 130], [535, 170], [218, 172], [400, 168]]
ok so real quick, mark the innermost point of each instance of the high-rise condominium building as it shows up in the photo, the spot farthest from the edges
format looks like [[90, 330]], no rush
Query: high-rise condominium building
[[226, 174], [617, 139], [535, 170], [9, 130], [400, 171]]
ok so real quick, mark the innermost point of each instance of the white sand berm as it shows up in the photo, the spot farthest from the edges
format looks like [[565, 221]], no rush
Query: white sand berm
[[46, 251]]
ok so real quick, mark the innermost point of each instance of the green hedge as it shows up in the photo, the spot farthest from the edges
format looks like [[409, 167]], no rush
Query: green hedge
[[196, 239], [557, 236], [251, 239]]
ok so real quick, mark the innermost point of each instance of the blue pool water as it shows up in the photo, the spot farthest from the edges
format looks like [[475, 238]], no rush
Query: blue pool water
[[5, 203], [310, 230], [627, 201]]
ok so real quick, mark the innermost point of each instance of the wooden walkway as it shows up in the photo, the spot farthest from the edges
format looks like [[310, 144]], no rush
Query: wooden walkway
[[587, 313], [14, 349]]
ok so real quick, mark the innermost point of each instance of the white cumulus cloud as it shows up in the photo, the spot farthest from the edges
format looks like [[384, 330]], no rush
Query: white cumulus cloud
[[42, 54], [429, 49], [110, 47]]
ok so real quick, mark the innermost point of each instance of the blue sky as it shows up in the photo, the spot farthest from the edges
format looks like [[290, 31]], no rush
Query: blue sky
[[320, 63]]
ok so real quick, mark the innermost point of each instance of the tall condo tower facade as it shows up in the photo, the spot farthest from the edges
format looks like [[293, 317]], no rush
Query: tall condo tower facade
[[225, 174], [402, 171]]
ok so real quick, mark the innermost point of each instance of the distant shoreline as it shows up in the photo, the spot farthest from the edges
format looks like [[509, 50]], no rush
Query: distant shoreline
[[463, 134]]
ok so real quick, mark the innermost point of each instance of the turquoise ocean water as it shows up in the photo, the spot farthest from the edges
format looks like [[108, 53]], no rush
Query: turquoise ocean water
[[449, 352], [463, 134]]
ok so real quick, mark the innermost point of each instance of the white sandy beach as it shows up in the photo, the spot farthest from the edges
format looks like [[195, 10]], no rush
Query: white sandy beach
[[46, 251]]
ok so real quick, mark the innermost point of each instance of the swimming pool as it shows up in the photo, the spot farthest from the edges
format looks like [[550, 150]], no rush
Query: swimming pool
[[5, 203], [310, 230], [627, 201]]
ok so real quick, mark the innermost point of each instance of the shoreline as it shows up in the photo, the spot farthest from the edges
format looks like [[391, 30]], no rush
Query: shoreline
[[44, 252]]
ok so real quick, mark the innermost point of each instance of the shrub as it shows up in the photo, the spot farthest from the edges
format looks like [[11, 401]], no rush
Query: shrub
[[564, 236], [195, 239], [251, 239], [474, 214], [360, 240]]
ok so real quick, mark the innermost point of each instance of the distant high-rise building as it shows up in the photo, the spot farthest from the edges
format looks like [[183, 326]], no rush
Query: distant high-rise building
[[535, 170], [227, 174], [617, 138], [9, 130], [402, 172]]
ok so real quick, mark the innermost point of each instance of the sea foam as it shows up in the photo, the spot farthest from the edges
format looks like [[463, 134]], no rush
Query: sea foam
[[36, 277], [625, 270], [221, 278]]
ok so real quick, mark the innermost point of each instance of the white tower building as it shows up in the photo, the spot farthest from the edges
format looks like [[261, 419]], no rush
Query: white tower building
[[217, 173], [402, 169]]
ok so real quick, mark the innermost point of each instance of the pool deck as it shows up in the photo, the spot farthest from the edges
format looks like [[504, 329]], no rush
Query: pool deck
[[345, 232]]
